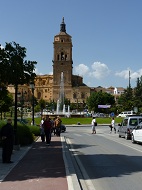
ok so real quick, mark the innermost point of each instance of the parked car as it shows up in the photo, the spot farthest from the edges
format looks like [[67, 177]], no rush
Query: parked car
[[125, 113], [137, 134], [23, 121], [63, 128], [128, 124]]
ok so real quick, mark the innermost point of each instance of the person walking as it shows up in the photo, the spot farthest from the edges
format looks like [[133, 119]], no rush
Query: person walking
[[113, 124], [93, 123], [42, 133], [47, 125], [57, 124], [7, 136]]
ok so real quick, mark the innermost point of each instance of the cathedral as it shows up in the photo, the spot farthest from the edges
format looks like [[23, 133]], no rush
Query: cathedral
[[48, 87]]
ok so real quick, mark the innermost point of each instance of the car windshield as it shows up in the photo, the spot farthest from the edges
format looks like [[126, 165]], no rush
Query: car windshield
[[133, 122]]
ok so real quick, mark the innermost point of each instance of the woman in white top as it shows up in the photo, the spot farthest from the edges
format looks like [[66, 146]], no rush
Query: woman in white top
[[113, 124], [93, 123]]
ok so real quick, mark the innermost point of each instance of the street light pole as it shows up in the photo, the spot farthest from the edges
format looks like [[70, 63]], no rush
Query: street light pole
[[32, 87], [15, 120]]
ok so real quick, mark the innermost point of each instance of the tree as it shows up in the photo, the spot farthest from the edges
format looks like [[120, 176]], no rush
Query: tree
[[99, 98], [138, 94], [6, 100], [125, 101], [16, 70]]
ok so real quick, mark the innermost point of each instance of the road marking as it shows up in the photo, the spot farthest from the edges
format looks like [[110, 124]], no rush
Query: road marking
[[86, 182]]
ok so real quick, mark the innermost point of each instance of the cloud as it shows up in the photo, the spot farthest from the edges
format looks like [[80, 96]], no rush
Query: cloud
[[1, 46], [81, 69], [100, 70], [37, 72], [125, 74]]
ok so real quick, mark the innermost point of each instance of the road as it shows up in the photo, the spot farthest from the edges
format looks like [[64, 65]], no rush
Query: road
[[105, 161]]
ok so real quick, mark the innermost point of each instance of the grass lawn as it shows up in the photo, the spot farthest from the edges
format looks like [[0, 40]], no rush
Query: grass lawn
[[87, 120]]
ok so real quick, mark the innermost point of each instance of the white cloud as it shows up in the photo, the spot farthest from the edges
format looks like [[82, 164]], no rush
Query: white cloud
[[81, 69], [1, 46], [133, 75], [99, 70], [37, 72]]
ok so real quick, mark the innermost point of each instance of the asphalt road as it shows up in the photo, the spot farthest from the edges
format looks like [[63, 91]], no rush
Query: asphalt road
[[103, 160]]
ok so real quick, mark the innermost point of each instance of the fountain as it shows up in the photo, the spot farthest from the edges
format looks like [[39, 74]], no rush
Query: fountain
[[60, 101]]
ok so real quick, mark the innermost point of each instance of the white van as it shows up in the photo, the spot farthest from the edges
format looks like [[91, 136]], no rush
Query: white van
[[125, 113]]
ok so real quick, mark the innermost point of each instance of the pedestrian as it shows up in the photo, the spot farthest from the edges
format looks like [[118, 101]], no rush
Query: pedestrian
[[7, 136], [57, 124], [42, 133], [93, 123], [47, 125], [113, 124], [54, 128]]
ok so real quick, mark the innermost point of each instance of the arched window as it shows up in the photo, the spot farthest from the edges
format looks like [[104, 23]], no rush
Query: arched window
[[62, 56]]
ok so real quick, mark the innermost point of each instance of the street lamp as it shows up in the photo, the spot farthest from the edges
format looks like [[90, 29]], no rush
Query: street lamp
[[32, 86], [16, 143]]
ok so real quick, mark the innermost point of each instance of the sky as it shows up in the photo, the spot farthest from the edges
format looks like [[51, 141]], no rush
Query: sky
[[106, 36]]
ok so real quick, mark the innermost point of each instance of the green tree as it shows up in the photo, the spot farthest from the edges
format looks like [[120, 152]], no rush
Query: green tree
[[99, 98], [138, 94], [125, 101], [17, 70], [6, 100], [42, 104]]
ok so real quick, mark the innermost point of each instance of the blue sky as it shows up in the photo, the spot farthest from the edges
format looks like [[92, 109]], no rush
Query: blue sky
[[106, 36]]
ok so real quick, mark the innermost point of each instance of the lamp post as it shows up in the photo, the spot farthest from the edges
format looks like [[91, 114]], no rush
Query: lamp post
[[32, 88], [16, 143]]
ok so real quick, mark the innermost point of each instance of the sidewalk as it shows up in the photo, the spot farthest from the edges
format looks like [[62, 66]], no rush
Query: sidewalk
[[39, 167]]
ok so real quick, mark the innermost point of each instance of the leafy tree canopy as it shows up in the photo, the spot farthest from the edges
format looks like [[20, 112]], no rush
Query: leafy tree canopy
[[99, 98], [14, 69]]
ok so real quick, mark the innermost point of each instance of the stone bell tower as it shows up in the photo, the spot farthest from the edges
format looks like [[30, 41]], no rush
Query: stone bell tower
[[62, 62]]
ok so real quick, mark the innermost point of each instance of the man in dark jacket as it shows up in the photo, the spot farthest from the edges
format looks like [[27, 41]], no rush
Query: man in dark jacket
[[47, 125], [7, 136]]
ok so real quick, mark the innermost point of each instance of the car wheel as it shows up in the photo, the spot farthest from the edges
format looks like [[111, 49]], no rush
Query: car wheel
[[126, 136], [119, 136], [133, 139]]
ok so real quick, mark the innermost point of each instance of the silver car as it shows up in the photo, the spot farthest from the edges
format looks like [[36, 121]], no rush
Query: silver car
[[126, 127]]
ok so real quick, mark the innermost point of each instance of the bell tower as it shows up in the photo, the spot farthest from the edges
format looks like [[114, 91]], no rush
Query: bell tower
[[62, 61]]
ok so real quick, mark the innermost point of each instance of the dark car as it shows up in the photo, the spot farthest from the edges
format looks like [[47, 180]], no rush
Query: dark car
[[63, 128], [23, 121]]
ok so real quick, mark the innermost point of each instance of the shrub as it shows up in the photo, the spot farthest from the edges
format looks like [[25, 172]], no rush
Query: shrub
[[24, 135], [35, 130]]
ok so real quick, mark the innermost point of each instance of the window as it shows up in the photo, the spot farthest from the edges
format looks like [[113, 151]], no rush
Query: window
[[133, 122], [74, 96], [125, 122]]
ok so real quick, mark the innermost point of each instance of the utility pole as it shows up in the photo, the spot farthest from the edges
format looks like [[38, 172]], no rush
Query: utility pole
[[129, 80]]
